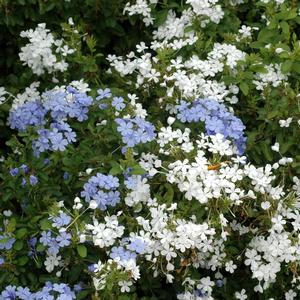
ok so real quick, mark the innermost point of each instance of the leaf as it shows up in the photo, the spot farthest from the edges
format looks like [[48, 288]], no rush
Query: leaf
[[20, 233], [296, 67], [82, 251], [272, 114], [244, 88], [45, 224], [18, 245], [169, 195], [266, 151], [23, 260], [161, 17], [285, 28], [116, 169], [287, 66], [40, 248], [266, 35], [137, 170]]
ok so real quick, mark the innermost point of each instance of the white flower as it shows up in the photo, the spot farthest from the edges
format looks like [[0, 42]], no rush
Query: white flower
[[125, 286], [230, 266], [245, 31], [285, 123], [265, 205], [2, 93], [275, 147], [241, 295], [93, 204], [290, 295], [7, 213], [51, 262]]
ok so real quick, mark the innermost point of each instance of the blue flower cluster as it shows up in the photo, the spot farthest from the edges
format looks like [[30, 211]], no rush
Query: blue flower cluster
[[61, 220], [29, 114], [58, 291], [56, 138], [70, 103], [102, 189], [135, 131], [131, 248], [216, 117], [23, 169], [122, 254], [63, 239], [61, 105], [54, 243]]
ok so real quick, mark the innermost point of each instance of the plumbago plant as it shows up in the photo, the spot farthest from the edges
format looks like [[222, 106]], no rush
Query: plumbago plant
[[244, 53], [148, 189]]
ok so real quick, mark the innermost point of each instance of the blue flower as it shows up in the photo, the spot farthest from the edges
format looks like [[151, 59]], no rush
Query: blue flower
[[64, 239], [118, 103], [57, 140], [46, 161], [77, 288], [24, 293], [103, 94], [137, 245], [24, 168], [29, 114], [6, 242], [9, 293], [61, 220], [219, 283], [46, 238], [66, 175], [14, 172], [2, 261], [33, 180], [122, 254], [92, 267]]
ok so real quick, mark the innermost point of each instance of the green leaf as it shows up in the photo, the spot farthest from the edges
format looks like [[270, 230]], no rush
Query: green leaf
[[45, 224], [116, 169], [287, 66], [23, 260], [296, 67], [20, 233], [40, 248], [137, 170], [285, 28], [82, 251], [244, 88], [161, 17], [18, 245]]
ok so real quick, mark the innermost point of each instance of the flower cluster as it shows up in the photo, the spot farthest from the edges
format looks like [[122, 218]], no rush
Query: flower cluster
[[51, 290], [216, 117], [24, 170], [169, 206], [102, 189], [60, 104], [135, 131], [38, 53]]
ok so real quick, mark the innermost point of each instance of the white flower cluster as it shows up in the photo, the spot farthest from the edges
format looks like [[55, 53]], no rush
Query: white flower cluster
[[105, 234], [191, 78], [273, 77], [141, 7], [2, 95], [207, 8], [42, 51]]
